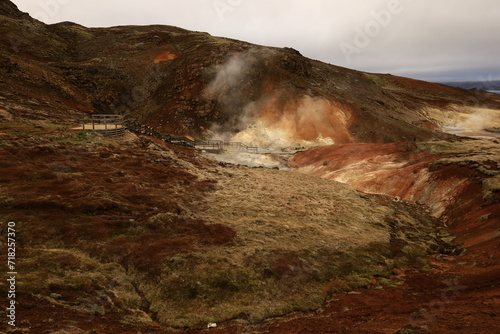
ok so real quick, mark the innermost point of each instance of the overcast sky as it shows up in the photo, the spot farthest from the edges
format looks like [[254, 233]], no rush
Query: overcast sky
[[435, 40]]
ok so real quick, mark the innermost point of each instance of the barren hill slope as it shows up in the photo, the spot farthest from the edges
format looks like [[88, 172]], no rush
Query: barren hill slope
[[192, 83]]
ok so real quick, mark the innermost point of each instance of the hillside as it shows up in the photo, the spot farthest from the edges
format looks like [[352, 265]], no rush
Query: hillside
[[394, 229], [192, 83], [458, 181], [131, 233]]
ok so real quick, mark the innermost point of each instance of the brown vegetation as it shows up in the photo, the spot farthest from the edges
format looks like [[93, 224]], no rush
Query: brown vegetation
[[146, 232]]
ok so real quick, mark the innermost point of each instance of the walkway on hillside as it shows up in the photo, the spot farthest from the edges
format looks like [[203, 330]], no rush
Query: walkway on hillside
[[108, 125], [211, 146], [115, 125]]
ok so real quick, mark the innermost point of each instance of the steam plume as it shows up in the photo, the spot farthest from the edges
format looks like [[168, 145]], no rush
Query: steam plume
[[273, 118], [480, 120]]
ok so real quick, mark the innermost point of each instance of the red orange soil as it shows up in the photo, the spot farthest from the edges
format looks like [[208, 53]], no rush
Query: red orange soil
[[461, 294], [164, 56], [453, 192]]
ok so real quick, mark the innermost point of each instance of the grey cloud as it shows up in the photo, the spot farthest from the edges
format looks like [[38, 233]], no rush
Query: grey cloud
[[426, 39]]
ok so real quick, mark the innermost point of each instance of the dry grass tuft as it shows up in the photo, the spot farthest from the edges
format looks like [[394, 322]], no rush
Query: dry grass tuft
[[293, 237]]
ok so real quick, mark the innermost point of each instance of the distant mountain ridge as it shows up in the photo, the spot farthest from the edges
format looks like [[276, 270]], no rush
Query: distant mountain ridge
[[483, 85]]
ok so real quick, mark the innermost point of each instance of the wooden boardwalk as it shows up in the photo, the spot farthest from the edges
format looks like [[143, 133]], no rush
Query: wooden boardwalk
[[108, 125], [211, 146], [115, 125]]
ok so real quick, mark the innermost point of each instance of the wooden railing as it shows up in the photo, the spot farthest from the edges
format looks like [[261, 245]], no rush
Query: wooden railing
[[109, 125], [115, 125], [217, 146]]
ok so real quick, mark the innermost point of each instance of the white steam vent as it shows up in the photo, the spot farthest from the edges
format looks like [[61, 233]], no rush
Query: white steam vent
[[279, 120]]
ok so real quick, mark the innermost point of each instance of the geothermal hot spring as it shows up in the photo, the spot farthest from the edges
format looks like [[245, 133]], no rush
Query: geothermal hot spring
[[481, 124], [280, 130], [275, 146]]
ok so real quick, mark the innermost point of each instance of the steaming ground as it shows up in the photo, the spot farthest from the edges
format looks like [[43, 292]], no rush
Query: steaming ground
[[273, 118], [474, 124], [276, 144], [274, 147], [276, 139], [265, 160]]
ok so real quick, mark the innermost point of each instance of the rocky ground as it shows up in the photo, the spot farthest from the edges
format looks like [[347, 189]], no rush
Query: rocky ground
[[130, 233]]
